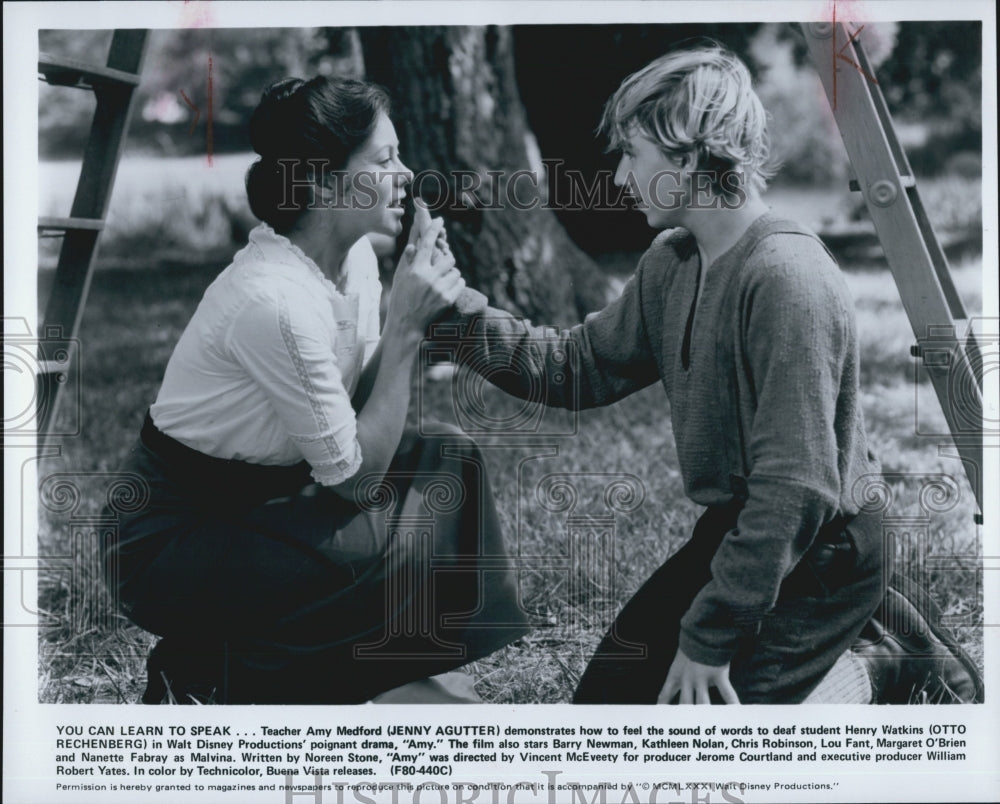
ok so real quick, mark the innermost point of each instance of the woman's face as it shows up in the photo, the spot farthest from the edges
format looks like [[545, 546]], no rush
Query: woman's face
[[376, 182], [659, 183]]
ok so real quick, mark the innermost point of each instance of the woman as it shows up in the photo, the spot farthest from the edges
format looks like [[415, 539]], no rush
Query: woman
[[295, 547], [744, 319]]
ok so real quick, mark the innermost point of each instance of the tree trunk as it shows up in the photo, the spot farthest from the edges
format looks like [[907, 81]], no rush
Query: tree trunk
[[463, 131]]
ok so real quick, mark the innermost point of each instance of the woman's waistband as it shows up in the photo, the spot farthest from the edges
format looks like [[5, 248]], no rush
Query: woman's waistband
[[205, 474]]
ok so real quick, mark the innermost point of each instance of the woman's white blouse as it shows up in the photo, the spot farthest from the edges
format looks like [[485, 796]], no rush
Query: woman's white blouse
[[265, 369]]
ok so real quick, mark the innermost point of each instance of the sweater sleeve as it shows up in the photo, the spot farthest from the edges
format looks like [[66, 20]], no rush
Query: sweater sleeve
[[598, 362], [798, 332]]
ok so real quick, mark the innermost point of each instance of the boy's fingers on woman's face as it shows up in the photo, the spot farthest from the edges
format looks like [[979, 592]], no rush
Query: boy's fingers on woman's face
[[428, 238], [421, 215]]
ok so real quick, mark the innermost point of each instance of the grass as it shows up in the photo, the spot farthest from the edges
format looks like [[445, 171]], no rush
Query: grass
[[163, 211], [89, 653]]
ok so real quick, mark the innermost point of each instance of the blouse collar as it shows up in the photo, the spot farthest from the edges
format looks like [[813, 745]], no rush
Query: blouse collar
[[269, 241]]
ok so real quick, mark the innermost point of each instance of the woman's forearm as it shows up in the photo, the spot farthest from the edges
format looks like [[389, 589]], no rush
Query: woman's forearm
[[367, 380], [382, 416], [425, 285]]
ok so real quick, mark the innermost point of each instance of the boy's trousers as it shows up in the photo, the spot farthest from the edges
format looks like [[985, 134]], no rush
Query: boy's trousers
[[822, 606]]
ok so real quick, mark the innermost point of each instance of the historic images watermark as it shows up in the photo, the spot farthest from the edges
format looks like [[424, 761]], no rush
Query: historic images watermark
[[30, 361], [519, 190]]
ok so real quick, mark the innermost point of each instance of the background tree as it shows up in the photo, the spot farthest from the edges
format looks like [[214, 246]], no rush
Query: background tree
[[458, 112], [503, 100], [934, 77], [177, 82]]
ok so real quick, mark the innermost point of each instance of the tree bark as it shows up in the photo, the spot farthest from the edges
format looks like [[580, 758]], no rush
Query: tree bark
[[464, 132]]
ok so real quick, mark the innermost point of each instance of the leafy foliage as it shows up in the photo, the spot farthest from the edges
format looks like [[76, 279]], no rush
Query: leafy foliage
[[187, 73]]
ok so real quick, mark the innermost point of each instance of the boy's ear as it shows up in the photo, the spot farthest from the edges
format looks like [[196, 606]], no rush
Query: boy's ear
[[696, 159], [685, 161]]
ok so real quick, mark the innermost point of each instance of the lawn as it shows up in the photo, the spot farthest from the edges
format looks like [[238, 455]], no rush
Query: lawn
[[165, 211], [89, 653]]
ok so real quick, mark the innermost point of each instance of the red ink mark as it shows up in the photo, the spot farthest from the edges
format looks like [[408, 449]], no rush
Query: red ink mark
[[197, 112], [839, 54], [209, 145], [208, 119], [196, 15]]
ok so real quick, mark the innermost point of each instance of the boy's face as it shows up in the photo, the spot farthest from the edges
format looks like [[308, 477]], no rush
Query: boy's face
[[659, 183]]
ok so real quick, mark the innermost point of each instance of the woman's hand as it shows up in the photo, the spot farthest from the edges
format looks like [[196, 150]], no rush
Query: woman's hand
[[426, 281], [693, 681]]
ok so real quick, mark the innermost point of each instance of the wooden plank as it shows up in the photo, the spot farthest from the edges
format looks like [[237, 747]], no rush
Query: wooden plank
[[90, 203], [938, 259], [66, 72], [908, 240], [904, 180], [50, 224]]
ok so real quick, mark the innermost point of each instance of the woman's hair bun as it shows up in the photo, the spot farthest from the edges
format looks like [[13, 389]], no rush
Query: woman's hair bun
[[321, 120], [268, 124]]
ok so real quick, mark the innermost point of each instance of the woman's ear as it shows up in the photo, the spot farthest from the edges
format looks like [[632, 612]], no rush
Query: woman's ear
[[331, 189]]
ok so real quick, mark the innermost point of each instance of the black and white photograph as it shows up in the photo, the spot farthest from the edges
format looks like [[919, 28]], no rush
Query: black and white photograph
[[569, 367]]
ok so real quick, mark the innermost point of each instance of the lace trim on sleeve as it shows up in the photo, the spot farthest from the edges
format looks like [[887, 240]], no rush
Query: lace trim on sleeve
[[333, 473], [337, 455]]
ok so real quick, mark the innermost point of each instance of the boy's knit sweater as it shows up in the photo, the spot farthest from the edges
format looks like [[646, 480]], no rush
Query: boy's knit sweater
[[763, 400]]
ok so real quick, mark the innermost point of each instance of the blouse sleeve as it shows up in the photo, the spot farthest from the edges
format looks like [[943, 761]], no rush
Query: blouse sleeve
[[287, 349]]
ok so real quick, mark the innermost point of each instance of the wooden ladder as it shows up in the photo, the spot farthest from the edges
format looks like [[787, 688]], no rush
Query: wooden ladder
[[113, 85], [882, 174]]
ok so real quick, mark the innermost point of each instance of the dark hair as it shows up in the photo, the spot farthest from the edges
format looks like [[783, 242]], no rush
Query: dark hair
[[317, 122]]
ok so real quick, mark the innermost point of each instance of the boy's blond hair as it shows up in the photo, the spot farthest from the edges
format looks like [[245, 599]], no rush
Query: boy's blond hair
[[699, 102]]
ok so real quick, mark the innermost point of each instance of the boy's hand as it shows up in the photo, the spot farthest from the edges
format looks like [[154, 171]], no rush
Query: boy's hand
[[693, 681]]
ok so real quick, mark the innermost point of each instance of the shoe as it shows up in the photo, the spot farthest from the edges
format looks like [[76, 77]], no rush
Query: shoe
[[911, 658]]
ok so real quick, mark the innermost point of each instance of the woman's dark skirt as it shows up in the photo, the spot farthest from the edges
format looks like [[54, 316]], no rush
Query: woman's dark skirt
[[269, 589]]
